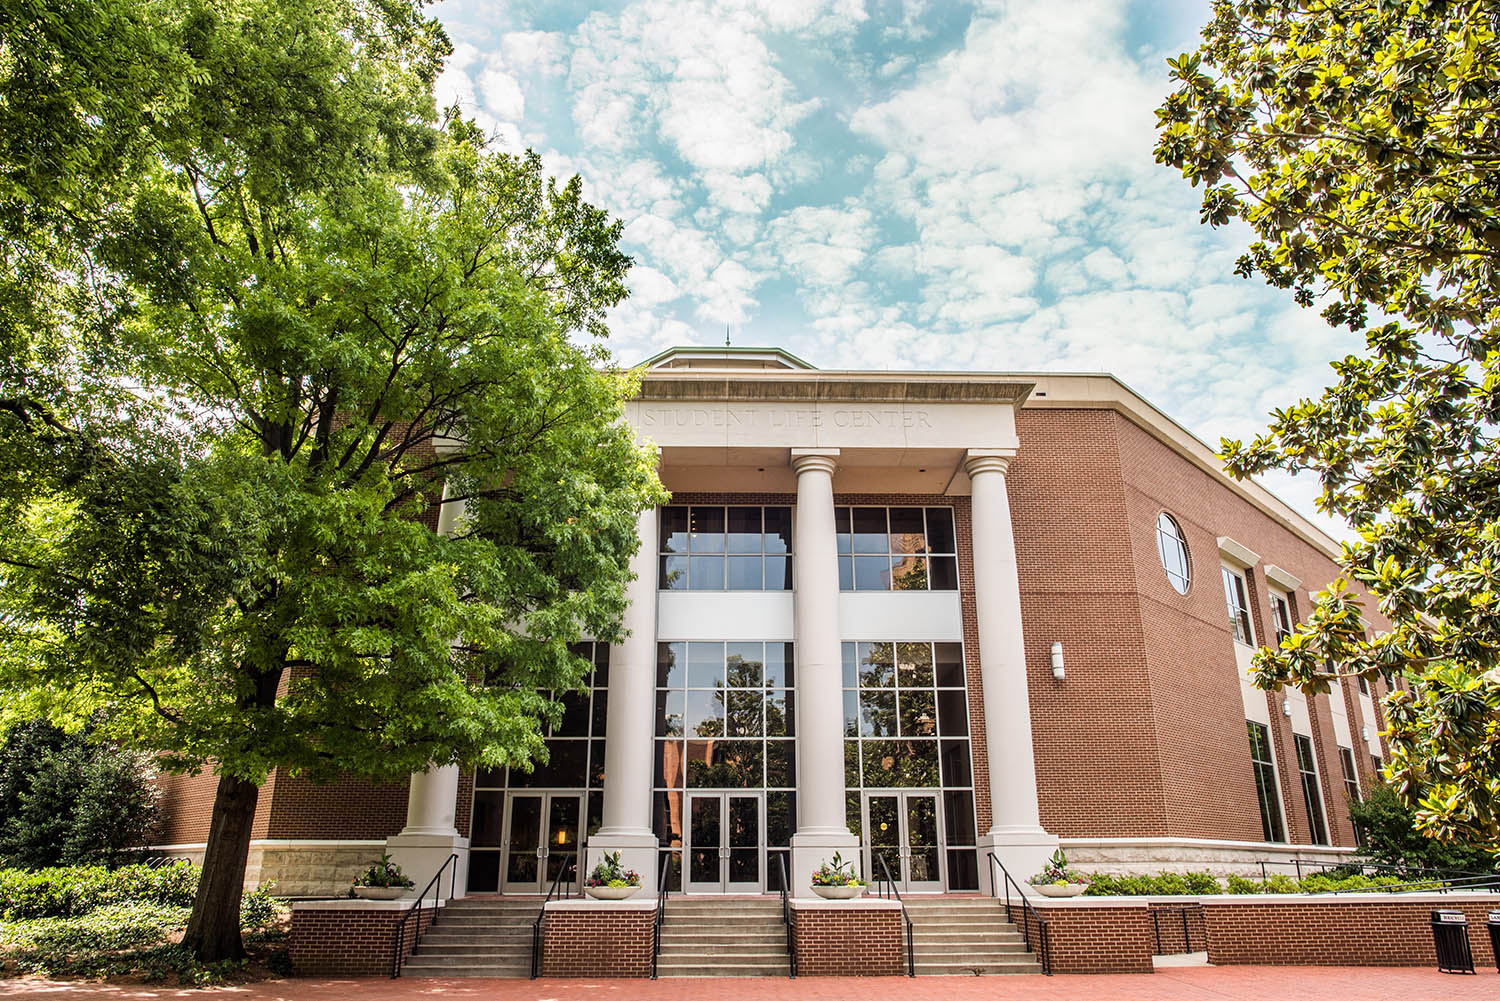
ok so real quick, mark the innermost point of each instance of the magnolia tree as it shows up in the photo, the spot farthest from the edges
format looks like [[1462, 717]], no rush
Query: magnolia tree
[[1360, 141], [266, 315]]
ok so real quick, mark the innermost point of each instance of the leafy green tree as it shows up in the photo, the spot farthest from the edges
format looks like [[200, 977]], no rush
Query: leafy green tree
[[1360, 141], [1391, 838], [69, 800], [290, 324]]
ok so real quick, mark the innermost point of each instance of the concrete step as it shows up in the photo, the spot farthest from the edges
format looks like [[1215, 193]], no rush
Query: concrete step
[[506, 951], [977, 969], [723, 955], [707, 938], [722, 970], [463, 935]]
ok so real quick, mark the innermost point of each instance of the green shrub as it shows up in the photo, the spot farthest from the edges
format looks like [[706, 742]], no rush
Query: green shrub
[[1166, 884], [1239, 884], [76, 890], [258, 907]]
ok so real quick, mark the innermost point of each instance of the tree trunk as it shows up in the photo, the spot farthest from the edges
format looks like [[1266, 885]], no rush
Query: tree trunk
[[213, 931]]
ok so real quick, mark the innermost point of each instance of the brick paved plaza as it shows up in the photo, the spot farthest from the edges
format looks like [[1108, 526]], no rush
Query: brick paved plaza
[[1230, 983]]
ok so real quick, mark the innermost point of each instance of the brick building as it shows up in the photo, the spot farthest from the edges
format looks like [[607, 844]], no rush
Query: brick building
[[911, 617]]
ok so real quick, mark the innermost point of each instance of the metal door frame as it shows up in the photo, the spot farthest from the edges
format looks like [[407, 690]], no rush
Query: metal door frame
[[543, 848], [723, 885], [904, 839]]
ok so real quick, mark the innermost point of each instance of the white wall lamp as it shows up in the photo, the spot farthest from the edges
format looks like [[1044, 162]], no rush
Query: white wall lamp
[[1364, 732], [1057, 662], [1286, 707]]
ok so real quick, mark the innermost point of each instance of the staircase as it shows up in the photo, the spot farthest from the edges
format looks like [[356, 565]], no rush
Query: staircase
[[966, 935], [477, 937], [723, 937]]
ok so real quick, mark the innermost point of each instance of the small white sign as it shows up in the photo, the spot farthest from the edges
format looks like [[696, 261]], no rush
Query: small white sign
[[1450, 917]]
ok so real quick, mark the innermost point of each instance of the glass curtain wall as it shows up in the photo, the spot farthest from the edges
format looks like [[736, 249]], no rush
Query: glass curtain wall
[[906, 726], [724, 721], [523, 839]]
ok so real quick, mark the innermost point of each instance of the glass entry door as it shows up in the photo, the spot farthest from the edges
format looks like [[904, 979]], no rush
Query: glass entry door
[[725, 849], [542, 833], [904, 829]]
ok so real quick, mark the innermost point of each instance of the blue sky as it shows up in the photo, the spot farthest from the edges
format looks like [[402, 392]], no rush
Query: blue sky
[[899, 184]]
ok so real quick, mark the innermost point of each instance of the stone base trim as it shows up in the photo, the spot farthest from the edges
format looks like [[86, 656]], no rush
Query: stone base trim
[[299, 869], [1366, 929], [586, 938], [1143, 856], [849, 938], [352, 938]]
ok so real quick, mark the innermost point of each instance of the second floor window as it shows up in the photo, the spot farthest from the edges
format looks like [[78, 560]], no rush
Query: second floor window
[[1239, 607], [896, 549], [711, 547], [1281, 617]]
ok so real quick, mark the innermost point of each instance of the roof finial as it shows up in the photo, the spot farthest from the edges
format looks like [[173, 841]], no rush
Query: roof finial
[[726, 335]]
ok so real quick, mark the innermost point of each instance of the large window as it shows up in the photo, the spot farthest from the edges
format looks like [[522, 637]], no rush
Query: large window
[[906, 726], [575, 763], [1172, 548], [1265, 782], [1239, 606], [716, 548], [1307, 767], [1351, 787], [1281, 617], [725, 720], [896, 549]]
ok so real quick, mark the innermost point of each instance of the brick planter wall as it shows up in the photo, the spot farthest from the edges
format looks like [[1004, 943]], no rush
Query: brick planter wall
[[1180, 927], [864, 938], [1351, 930], [1102, 937], [584, 938], [351, 938]]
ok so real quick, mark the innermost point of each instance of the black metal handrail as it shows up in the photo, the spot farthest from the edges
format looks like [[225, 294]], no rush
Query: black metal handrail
[[891, 887], [786, 919], [661, 909], [1491, 883], [398, 951], [559, 893], [1044, 951], [1404, 870], [1156, 913]]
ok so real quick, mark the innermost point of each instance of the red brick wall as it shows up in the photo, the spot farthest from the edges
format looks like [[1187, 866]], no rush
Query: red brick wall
[[187, 807], [1348, 931], [1177, 928], [1095, 742], [597, 942], [1091, 939], [849, 941], [349, 809], [350, 942]]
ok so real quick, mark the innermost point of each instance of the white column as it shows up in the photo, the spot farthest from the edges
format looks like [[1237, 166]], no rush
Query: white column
[[430, 838], [1015, 835], [821, 826], [631, 723]]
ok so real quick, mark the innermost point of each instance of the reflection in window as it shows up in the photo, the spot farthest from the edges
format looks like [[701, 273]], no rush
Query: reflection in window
[[896, 549], [709, 547]]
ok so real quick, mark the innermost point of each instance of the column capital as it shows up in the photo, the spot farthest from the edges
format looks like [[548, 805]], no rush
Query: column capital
[[988, 460], [808, 460]]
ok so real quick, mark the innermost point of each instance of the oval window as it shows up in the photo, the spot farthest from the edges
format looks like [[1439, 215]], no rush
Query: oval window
[[1174, 553]]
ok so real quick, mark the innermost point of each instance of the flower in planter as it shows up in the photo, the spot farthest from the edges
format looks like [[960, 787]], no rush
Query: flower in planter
[[1057, 873], [609, 872], [836, 872], [383, 873]]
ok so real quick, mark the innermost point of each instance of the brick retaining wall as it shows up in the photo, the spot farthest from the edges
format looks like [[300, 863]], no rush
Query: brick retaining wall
[[1351, 930], [585, 939], [1113, 937], [353, 938], [865, 938]]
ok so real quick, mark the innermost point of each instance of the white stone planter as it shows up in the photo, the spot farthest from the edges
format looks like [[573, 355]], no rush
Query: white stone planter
[[611, 892], [1066, 890], [381, 892], [839, 892]]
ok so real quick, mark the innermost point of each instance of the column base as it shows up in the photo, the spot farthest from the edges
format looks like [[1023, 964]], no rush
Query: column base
[[638, 850], [810, 849], [1023, 851], [420, 854]]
